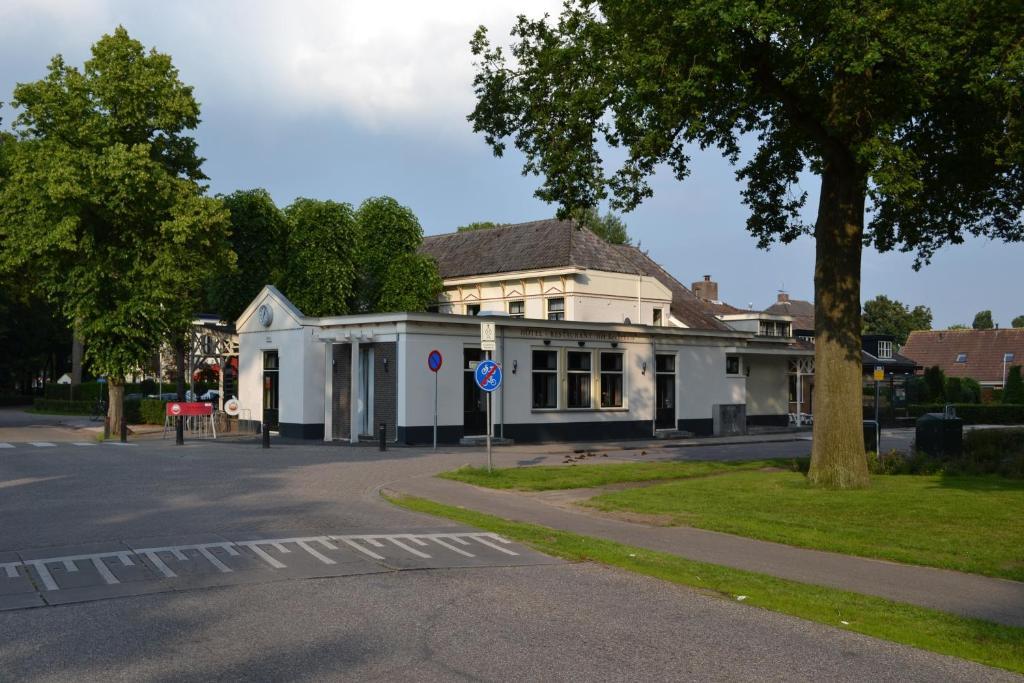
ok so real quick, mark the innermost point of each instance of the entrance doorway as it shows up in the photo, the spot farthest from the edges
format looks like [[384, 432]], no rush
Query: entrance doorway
[[271, 370], [365, 404], [665, 392], [474, 406]]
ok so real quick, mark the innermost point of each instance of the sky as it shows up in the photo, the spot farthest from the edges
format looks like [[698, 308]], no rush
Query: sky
[[346, 100]]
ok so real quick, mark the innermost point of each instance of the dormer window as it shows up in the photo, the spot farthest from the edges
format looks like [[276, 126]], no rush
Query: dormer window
[[1008, 357], [885, 349], [961, 358]]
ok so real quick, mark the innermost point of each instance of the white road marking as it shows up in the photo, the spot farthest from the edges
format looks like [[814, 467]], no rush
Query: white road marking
[[104, 571], [223, 568], [364, 551], [445, 544], [6, 445], [43, 444], [403, 546], [82, 443], [11, 569], [120, 443], [70, 566], [44, 574], [159, 564], [279, 547], [252, 545], [315, 553], [479, 538]]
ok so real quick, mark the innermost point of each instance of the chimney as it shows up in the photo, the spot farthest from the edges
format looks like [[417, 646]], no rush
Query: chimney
[[707, 289], [783, 298]]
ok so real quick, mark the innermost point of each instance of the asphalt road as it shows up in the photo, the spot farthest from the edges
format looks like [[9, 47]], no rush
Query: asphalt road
[[539, 622]]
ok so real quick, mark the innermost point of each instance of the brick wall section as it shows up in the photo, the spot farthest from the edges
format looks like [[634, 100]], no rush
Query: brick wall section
[[341, 379], [385, 388]]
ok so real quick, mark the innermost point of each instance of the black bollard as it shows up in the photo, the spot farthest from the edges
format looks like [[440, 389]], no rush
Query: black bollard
[[382, 431], [265, 431], [124, 430]]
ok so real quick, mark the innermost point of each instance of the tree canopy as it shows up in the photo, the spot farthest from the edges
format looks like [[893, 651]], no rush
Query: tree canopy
[[104, 204], [913, 111], [983, 321], [1018, 322], [321, 266], [883, 315], [610, 227]]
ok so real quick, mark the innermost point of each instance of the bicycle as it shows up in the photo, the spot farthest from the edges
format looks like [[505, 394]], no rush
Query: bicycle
[[99, 411]]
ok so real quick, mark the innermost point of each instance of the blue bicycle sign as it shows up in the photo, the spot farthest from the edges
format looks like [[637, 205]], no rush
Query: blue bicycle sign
[[488, 375]]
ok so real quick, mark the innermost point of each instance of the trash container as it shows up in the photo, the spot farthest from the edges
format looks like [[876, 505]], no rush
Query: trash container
[[870, 436], [939, 436]]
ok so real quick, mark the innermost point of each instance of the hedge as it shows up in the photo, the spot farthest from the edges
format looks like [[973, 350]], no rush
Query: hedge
[[152, 411], [46, 405], [92, 391], [998, 451], [977, 413], [16, 400]]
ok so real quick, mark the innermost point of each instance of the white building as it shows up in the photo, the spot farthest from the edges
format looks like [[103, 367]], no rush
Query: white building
[[577, 365]]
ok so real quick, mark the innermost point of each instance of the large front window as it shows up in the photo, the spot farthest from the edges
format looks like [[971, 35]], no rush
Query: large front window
[[545, 379], [579, 381], [611, 380]]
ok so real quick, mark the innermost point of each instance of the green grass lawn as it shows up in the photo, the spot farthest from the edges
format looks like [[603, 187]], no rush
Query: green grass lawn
[[585, 476], [971, 524], [980, 641]]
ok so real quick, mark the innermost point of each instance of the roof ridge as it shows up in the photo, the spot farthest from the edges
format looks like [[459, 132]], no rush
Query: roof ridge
[[497, 226]]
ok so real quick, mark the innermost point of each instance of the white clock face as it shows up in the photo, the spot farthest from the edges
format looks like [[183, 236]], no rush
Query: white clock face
[[266, 315]]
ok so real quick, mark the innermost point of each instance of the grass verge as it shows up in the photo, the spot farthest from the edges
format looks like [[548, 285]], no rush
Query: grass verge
[[547, 478], [966, 523], [972, 639]]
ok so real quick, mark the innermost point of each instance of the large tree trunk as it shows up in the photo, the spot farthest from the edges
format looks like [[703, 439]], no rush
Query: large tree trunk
[[115, 411], [837, 452]]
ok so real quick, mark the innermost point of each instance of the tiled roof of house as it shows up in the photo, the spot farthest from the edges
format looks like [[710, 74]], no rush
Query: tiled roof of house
[[536, 245], [686, 307], [802, 312], [540, 245], [983, 349]]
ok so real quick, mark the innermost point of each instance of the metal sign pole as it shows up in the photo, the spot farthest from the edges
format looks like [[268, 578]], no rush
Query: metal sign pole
[[489, 463], [435, 411]]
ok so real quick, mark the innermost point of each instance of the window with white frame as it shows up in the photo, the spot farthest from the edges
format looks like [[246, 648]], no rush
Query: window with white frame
[[517, 309], [611, 379], [885, 349], [545, 379], [657, 317], [556, 309], [578, 379]]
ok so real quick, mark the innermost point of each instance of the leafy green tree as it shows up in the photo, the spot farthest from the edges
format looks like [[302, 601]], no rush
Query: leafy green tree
[[104, 203], [478, 225], [609, 227], [322, 250], [971, 389], [935, 382], [393, 276], [883, 315], [1018, 322], [958, 326], [1013, 392], [983, 321], [914, 107], [259, 238]]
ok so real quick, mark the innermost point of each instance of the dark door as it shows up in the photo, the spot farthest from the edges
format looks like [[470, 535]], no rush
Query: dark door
[[665, 392], [474, 416], [270, 389]]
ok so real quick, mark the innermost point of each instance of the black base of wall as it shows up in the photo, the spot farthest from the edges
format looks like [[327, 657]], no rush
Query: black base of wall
[[293, 430], [701, 427], [579, 431], [767, 420], [421, 435]]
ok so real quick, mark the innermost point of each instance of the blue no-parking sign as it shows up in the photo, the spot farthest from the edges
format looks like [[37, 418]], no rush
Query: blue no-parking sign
[[434, 360], [488, 375]]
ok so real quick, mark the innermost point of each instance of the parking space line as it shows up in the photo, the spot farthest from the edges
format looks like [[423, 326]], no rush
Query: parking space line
[[408, 549], [266, 557], [445, 544], [70, 566], [11, 569], [365, 551], [223, 568], [104, 571], [159, 564], [479, 538], [315, 553], [6, 445], [44, 574]]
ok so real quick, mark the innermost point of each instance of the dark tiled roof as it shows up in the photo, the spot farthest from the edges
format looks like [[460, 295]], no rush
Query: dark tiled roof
[[897, 361], [536, 245], [802, 312], [686, 307], [984, 349], [721, 308]]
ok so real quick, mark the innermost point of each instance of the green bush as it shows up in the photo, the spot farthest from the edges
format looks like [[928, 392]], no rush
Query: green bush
[[153, 411], [51, 405], [971, 389], [1013, 392], [955, 392], [896, 462], [977, 413], [935, 384], [15, 400], [992, 451]]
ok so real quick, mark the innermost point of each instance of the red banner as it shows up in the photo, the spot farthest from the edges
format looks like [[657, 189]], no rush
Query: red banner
[[174, 409]]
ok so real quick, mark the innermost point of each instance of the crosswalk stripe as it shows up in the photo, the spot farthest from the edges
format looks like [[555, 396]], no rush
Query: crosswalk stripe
[[43, 444], [82, 443], [6, 445]]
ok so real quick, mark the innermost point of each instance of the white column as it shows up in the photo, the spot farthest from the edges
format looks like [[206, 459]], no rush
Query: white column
[[328, 391], [353, 429]]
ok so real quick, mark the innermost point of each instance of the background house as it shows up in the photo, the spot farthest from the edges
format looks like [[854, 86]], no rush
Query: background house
[[982, 355]]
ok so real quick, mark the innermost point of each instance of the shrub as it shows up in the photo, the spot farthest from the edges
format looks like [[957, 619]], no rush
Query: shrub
[[977, 413], [935, 383], [971, 389], [896, 462], [152, 411], [1013, 392], [992, 451], [52, 405], [954, 391]]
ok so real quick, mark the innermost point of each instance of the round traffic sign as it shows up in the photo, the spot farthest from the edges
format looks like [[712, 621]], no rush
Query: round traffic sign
[[434, 360], [488, 375]]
